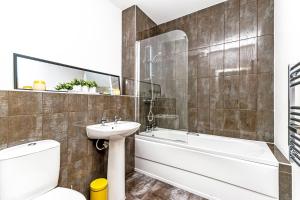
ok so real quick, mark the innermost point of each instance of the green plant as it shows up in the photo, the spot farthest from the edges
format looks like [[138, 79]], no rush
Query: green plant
[[91, 84], [94, 84], [64, 86], [88, 83], [83, 83], [59, 86], [68, 86], [76, 82]]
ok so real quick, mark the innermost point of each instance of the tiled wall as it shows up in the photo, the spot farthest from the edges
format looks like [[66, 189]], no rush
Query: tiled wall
[[230, 68], [31, 116], [134, 21]]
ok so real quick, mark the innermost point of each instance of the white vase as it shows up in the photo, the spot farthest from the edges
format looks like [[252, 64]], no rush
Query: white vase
[[77, 88], [92, 90], [85, 89]]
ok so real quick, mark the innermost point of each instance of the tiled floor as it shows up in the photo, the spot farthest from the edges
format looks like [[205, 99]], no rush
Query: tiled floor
[[141, 187]]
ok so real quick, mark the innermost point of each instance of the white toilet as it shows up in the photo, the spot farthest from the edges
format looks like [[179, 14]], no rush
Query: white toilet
[[31, 171]]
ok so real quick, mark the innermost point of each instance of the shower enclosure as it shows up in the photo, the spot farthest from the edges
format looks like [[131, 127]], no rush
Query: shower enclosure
[[162, 84], [162, 109]]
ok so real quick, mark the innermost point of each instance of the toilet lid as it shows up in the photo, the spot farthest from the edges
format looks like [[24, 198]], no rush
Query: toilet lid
[[61, 194]]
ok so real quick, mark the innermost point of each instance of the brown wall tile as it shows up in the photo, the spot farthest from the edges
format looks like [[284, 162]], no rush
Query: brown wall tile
[[231, 92], [129, 154], [265, 92], [248, 18], [285, 186], [216, 62], [63, 176], [265, 54], [55, 103], [3, 132], [265, 17], [248, 92], [77, 102], [143, 22], [248, 135], [63, 149], [129, 26], [168, 26], [128, 62], [265, 126], [193, 62], [230, 133], [232, 20], [203, 62], [127, 110], [192, 93], [129, 32], [231, 120], [190, 27], [203, 124], [76, 124], [216, 120], [75, 173], [216, 89], [203, 92], [55, 126], [24, 128], [248, 120], [24, 103], [248, 56], [204, 24], [96, 102], [232, 58], [3, 103], [94, 116], [192, 119], [217, 24], [77, 149]]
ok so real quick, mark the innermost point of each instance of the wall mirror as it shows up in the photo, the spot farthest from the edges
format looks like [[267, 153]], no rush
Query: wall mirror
[[34, 73]]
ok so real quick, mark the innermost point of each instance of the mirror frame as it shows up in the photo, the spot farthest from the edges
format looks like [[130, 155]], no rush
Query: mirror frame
[[15, 63]]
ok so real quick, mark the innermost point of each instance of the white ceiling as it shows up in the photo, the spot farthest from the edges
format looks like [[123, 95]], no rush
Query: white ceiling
[[165, 10]]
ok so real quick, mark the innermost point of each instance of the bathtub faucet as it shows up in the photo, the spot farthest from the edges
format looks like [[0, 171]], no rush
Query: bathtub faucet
[[151, 127], [148, 128]]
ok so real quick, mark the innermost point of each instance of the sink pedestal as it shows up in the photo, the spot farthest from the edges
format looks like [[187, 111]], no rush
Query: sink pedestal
[[115, 132], [116, 169]]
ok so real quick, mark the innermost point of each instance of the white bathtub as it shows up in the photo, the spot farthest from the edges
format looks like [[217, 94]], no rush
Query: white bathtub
[[210, 166]]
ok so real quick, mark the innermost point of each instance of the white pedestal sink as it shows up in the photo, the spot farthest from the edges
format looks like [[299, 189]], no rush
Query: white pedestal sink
[[116, 134]]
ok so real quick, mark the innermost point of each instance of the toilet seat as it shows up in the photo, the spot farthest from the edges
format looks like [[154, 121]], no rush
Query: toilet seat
[[60, 193]]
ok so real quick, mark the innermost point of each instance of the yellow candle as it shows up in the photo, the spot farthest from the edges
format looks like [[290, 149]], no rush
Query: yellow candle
[[39, 85]]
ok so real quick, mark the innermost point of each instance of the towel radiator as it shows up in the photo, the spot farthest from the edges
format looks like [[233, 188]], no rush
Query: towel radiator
[[294, 113]]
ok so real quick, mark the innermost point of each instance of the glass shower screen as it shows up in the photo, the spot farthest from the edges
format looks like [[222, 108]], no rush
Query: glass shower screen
[[162, 82]]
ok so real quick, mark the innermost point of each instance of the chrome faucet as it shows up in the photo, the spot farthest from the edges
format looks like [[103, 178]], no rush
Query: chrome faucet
[[117, 119], [103, 121]]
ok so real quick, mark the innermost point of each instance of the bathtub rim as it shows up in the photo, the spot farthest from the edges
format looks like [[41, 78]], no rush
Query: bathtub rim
[[181, 144]]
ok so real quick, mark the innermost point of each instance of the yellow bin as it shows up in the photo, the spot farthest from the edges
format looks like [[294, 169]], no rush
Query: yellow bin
[[98, 189]]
